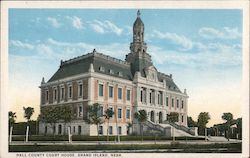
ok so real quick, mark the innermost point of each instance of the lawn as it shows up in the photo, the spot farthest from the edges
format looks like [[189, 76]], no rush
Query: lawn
[[95, 138]]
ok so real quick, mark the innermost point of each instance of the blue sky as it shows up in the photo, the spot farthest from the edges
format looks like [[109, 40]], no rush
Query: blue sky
[[201, 48]]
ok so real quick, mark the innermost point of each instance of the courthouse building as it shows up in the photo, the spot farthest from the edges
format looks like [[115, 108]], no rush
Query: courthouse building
[[125, 86]]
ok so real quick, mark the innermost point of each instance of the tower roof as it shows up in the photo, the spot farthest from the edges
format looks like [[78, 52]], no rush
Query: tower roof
[[138, 22]]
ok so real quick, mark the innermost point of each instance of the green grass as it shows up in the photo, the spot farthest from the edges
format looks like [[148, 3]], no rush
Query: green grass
[[95, 138], [187, 148]]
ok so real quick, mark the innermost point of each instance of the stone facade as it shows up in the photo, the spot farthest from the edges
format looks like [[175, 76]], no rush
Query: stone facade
[[125, 86]]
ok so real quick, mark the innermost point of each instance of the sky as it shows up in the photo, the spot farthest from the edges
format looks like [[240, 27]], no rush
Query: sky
[[201, 48]]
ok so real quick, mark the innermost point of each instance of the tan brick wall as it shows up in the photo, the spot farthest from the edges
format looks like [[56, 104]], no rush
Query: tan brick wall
[[85, 89], [115, 93], [124, 94], [66, 92], [96, 90], [75, 90]]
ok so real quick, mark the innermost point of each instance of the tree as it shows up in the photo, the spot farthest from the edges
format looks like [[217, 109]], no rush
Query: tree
[[239, 127], [94, 116], [108, 114], [50, 115], [12, 118], [173, 117], [191, 122], [141, 117], [203, 119], [66, 115], [28, 112], [228, 117]]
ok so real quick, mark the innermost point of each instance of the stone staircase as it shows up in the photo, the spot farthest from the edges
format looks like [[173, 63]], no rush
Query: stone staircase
[[150, 128]]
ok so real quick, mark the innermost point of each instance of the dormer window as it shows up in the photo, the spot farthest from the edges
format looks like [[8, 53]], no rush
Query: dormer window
[[120, 74], [101, 68], [111, 71]]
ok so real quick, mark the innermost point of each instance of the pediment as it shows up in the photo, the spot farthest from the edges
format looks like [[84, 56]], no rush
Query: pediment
[[151, 73]]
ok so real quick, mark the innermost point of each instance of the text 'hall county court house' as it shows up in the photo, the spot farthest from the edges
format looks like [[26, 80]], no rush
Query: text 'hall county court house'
[[124, 86]]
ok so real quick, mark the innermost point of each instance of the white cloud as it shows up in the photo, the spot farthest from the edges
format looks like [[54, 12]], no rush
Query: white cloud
[[181, 40], [225, 33], [19, 44], [214, 55], [97, 28], [76, 22], [54, 22], [105, 27]]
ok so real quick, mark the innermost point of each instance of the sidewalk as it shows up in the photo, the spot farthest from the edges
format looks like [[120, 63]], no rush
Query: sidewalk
[[120, 143]]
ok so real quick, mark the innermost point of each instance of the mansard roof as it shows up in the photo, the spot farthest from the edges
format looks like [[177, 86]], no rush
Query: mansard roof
[[101, 63]]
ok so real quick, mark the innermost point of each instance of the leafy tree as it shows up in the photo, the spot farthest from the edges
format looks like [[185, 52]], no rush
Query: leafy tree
[[12, 118], [191, 122], [239, 127], [94, 116], [129, 125], [50, 115], [228, 117], [173, 117], [203, 119], [66, 115], [108, 114], [28, 112], [141, 117]]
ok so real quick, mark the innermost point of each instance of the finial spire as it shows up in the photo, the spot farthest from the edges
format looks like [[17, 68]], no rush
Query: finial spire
[[138, 13]]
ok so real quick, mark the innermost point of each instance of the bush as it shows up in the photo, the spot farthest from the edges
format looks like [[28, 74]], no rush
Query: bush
[[20, 128]]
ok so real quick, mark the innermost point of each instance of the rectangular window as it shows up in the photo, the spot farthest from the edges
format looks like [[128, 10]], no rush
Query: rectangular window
[[150, 97], [177, 103], [47, 95], [80, 90], [110, 130], [120, 130], [119, 113], [158, 98], [166, 101], [128, 113], [110, 92], [111, 110], [172, 102], [141, 95], [62, 93], [182, 118], [80, 111], [182, 104], [100, 130], [55, 94], [128, 95], [100, 90], [70, 91], [119, 93]]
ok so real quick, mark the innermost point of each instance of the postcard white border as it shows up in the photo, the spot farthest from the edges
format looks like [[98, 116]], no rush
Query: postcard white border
[[233, 4]]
